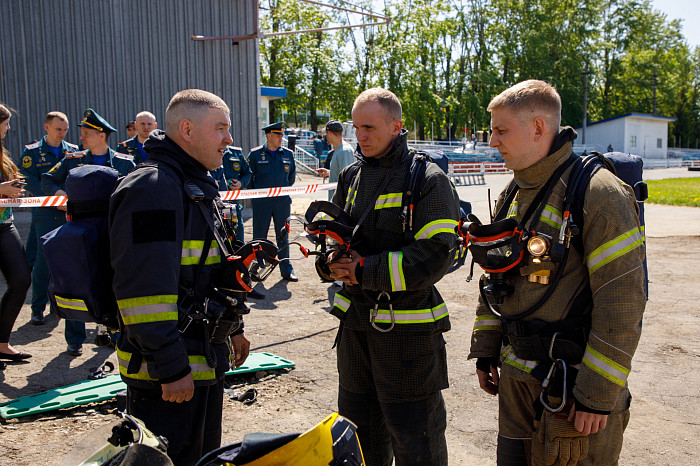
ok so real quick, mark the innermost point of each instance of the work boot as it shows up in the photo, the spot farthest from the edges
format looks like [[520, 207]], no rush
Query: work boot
[[37, 318], [74, 349]]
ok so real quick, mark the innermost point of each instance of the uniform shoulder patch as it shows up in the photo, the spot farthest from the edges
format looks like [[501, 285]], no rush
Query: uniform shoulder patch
[[76, 155], [119, 155], [238, 148], [256, 148], [72, 146], [34, 145]]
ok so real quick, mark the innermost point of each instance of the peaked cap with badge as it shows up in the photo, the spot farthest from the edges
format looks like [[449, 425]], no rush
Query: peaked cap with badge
[[275, 128], [91, 119]]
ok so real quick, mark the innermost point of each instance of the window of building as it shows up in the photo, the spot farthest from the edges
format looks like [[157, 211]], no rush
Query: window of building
[[659, 143], [633, 141]]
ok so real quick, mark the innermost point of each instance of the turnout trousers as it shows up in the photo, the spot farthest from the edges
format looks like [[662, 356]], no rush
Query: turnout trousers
[[193, 428], [516, 425], [278, 209], [390, 387]]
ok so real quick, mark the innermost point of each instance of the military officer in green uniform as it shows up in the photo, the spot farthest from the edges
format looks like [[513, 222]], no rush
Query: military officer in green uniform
[[37, 159], [94, 132]]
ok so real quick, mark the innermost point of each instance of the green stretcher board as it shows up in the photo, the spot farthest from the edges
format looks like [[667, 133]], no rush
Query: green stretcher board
[[106, 388]]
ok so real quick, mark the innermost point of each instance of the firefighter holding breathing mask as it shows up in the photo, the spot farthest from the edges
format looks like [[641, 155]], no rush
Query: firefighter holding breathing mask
[[561, 304]]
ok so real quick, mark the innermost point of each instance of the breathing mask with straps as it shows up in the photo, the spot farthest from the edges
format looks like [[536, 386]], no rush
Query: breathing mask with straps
[[330, 232], [507, 247]]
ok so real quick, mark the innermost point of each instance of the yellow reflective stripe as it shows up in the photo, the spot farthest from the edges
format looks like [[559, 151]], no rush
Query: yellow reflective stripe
[[398, 281], [444, 225], [341, 302], [413, 316], [200, 369], [148, 309], [487, 322], [70, 303], [123, 359], [208, 261], [605, 367], [511, 359], [614, 248], [512, 210], [192, 252], [388, 200], [198, 365], [350, 200], [146, 300], [552, 217]]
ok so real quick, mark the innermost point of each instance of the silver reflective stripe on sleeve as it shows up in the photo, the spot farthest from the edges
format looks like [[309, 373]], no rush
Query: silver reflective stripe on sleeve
[[398, 282], [605, 367], [511, 359], [431, 229], [487, 322], [341, 302], [614, 248]]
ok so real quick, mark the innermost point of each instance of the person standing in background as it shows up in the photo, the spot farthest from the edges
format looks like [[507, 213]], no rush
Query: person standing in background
[[343, 154], [145, 123], [13, 260], [37, 159], [273, 166]]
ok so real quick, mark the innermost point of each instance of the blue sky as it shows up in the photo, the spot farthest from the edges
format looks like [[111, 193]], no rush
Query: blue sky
[[688, 11]]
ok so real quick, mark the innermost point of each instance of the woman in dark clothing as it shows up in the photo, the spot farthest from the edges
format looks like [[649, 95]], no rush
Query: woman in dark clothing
[[13, 260]]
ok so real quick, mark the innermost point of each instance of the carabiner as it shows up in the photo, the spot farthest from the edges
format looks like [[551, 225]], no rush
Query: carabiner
[[375, 311], [545, 385]]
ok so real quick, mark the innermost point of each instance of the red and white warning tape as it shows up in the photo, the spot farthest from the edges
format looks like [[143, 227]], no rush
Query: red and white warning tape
[[56, 201]]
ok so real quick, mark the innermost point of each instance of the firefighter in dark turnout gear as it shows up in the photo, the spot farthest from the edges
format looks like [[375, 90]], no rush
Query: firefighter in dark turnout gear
[[165, 257], [392, 361], [597, 304]]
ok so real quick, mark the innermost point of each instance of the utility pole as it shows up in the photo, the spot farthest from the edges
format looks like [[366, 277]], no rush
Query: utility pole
[[654, 104], [585, 103]]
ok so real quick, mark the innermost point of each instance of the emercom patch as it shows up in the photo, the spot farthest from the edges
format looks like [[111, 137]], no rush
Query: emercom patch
[[149, 226]]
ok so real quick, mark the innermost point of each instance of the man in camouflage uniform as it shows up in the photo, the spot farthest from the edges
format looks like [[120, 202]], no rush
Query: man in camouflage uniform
[[391, 375], [606, 275]]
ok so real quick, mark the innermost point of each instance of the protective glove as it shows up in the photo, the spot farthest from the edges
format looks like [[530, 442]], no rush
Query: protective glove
[[557, 442]]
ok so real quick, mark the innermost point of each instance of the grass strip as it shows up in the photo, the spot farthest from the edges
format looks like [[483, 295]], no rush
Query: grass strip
[[675, 191]]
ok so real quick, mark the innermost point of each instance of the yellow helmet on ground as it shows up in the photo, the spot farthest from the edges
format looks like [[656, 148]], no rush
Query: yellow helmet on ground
[[332, 441]]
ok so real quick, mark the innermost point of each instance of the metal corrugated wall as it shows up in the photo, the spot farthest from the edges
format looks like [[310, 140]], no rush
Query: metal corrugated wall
[[123, 56]]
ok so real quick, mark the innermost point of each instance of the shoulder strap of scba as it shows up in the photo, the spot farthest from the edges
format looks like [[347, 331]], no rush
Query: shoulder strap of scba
[[415, 179]]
